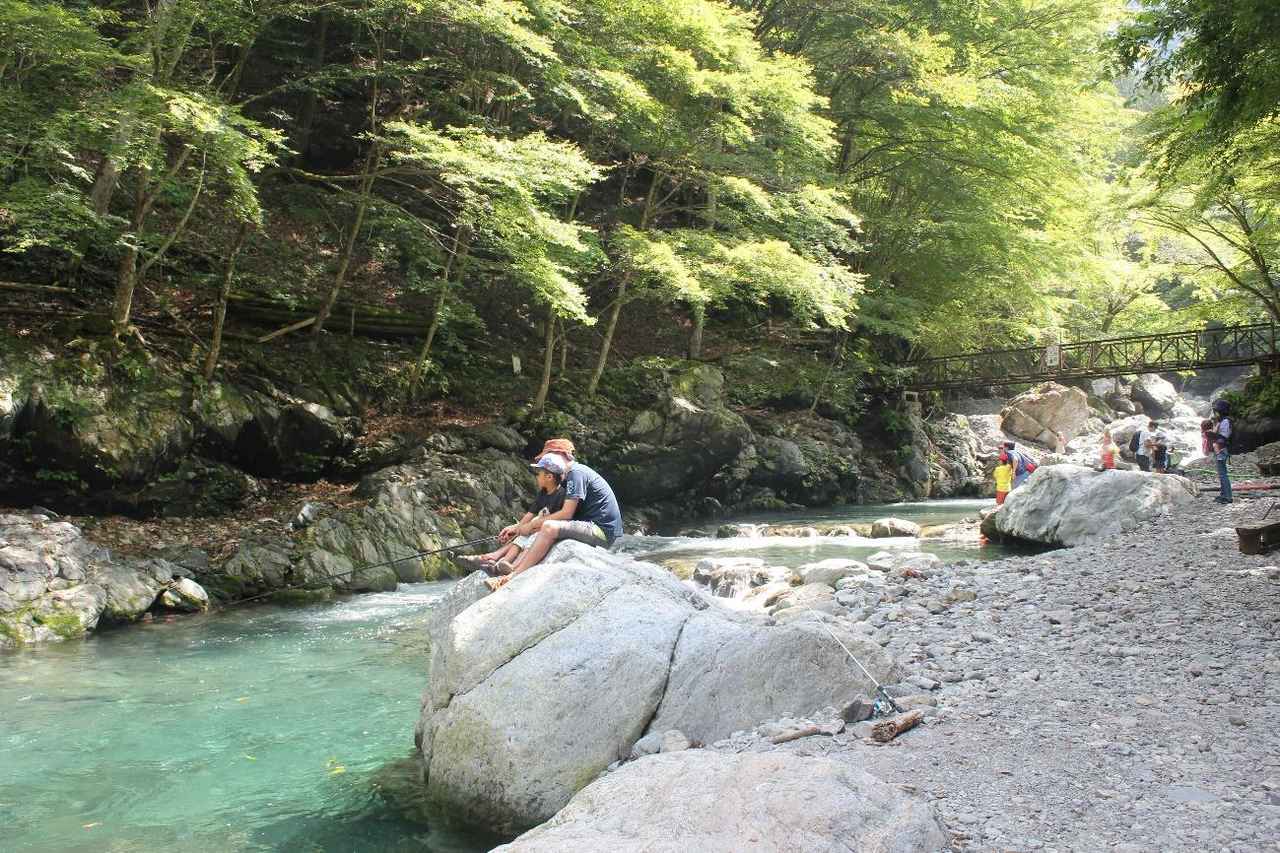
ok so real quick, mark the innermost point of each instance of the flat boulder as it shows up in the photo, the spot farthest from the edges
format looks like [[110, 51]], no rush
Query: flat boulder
[[1072, 505], [1037, 415], [711, 802], [886, 528], [535, 690]]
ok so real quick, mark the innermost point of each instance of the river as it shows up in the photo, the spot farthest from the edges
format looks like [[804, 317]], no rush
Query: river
[[269, 728]]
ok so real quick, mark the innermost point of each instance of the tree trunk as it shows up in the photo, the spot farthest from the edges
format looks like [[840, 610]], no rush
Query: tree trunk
[[220, 311], [127, 270], [371, 162], [349, 243], [695, 339], [457, 257], [608, 337], [548, 359], [564, 347], [645, 217]]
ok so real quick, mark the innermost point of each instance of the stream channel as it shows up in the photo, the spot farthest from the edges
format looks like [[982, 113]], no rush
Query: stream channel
[[272, 728]]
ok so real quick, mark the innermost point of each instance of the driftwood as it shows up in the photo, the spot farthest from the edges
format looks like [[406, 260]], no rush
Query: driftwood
[[886, 730], [292, 327], [796, 735], [33, 288]]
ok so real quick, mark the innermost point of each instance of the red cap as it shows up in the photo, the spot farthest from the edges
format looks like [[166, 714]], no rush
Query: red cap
[[563, 446]]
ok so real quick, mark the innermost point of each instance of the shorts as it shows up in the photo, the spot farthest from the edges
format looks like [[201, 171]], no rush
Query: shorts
[[1000, 496], [584, 531], [523, 542]]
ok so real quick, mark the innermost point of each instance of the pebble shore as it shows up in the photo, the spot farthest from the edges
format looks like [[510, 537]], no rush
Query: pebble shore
[[1119, 696]]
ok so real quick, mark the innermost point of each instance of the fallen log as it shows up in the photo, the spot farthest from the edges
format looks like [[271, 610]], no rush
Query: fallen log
[[796, 735], [886, 730]]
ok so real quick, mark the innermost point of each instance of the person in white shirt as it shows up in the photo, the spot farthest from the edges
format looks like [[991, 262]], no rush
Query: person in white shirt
[[1146, 440]]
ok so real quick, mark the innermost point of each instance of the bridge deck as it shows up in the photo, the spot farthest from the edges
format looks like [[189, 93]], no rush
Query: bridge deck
[[1189, 350]]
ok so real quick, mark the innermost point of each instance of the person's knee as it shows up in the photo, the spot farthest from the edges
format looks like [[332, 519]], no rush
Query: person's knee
[[552, 530]]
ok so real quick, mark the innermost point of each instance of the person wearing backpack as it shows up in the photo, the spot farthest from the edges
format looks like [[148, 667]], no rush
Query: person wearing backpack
[[1222, 448], [1023, 465], [1140, 445]]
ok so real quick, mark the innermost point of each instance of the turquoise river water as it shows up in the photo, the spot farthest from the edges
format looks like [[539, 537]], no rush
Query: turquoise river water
[[270, 728]]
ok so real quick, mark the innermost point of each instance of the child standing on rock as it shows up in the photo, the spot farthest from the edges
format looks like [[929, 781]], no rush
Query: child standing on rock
[[1004, 478]]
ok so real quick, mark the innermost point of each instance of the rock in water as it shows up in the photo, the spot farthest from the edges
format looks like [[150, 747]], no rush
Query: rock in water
[[1050, 408], [534, 691], [1071, 504], [710, 802], [185, 595], [890, 527]]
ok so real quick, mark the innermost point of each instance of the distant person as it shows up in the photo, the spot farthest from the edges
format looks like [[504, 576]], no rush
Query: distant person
[[590, 514], [1223, 430], [1207, 437], [1159, 454], [1059, 444], [1023, 464], [549, 470], [1109, 452], [1004, 478], [1141, 444]]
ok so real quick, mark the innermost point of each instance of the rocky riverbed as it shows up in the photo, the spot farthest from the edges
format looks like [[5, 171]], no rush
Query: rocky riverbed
[[1115, 696]]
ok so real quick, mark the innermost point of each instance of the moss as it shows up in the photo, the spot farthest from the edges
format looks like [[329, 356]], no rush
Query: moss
[[9, 629], [64, 623]]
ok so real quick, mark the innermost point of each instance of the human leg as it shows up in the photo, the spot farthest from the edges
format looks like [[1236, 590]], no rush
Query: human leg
[[1224, 479], [538, 549], [1144, 463]]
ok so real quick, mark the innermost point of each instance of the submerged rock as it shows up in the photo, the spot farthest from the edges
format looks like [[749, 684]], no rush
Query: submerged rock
[[710, 801], [534, 691], [1071, 504]]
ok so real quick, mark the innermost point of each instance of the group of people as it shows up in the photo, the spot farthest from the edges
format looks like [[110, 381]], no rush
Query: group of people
[[1012, 470], [1150, 448], [573, 502]]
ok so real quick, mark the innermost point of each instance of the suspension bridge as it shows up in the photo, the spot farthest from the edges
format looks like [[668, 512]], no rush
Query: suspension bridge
[[1196, 349]]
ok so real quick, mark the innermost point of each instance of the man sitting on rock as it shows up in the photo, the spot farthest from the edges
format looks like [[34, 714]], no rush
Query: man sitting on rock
[[590, 514]]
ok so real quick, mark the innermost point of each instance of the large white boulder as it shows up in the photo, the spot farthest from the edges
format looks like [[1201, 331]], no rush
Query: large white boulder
[[533, 691], [1037, 415], [1156, 394], [712, 802], [1071, 504]]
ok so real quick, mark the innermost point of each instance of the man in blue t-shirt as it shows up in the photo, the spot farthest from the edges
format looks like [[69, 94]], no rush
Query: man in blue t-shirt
[[590, 514]]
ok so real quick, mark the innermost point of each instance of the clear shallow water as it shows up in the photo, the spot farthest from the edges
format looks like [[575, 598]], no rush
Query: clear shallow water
[[269, 728], [793, 551], [257, 729]]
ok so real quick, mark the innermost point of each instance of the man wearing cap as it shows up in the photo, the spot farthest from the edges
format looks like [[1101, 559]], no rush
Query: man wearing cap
[[590, 514], [550, 471]]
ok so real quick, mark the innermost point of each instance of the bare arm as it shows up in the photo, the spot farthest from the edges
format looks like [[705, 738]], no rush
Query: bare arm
[[564, 513], [512, 530]]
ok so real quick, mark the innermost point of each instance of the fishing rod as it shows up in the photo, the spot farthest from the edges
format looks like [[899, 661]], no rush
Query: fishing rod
[[362, 568]]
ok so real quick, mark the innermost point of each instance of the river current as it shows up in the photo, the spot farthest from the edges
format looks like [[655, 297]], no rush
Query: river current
[[272, 728]]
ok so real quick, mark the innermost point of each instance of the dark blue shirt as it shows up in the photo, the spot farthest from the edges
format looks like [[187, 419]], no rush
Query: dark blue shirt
[[595, 500]]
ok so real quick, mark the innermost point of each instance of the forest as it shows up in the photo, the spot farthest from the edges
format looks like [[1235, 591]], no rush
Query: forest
[[876, 178]]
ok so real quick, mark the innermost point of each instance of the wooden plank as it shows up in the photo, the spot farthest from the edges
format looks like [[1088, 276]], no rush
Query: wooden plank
[[301, 324]]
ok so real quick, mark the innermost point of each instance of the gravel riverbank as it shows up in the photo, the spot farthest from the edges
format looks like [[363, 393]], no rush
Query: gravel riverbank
[[1118, 696]]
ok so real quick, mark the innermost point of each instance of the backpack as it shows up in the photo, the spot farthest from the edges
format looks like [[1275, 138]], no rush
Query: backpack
[[1133, 442]]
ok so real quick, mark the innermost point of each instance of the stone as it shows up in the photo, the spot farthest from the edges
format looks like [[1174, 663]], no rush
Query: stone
[[1048, 409], [650, 744], [186, 596], [885, 528], [1072, 505], [830, 572], [721, 803], [535, 690], [1156, 394], [674, 741]]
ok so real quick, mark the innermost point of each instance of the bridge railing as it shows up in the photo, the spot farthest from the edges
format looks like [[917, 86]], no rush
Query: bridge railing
[[1222, 347]]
